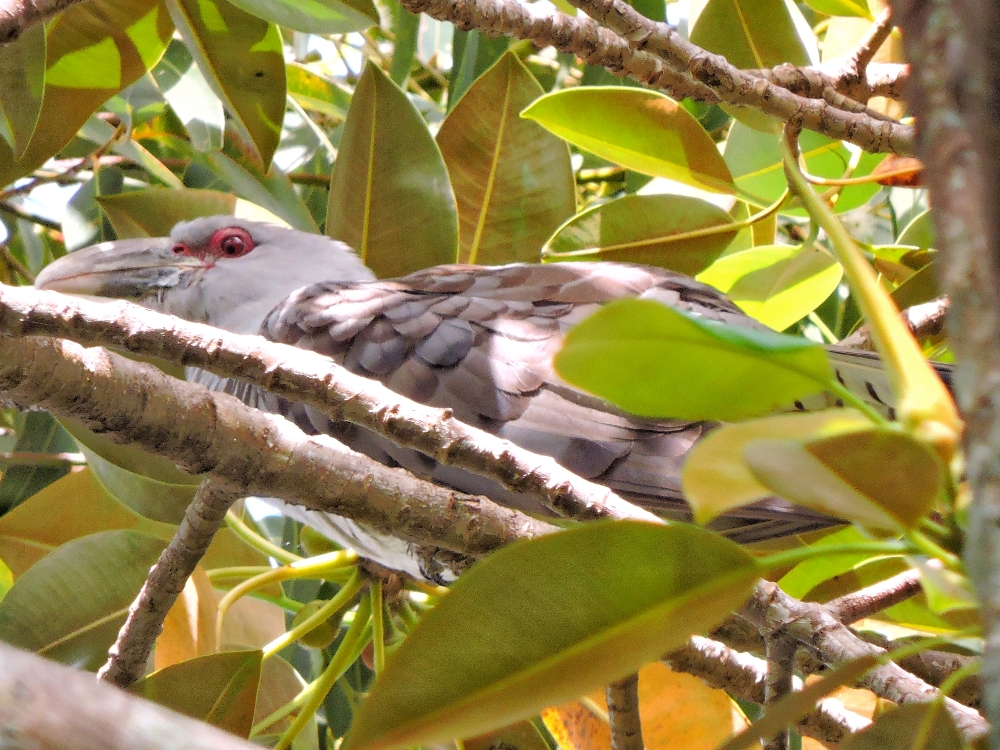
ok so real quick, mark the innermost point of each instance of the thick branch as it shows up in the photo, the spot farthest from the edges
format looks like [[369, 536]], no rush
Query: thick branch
[[248, 451], [203, 518], [314, 379], [772, 611], [46, 706], [623, 713]]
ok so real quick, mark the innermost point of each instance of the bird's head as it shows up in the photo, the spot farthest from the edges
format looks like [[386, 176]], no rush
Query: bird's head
[[220, 270]]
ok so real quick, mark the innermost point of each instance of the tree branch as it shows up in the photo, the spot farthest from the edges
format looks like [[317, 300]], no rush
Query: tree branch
[[246, 450], [740, 88], [314, 379], [623, 713], [203, 518], [17, 16], [46, 706], [770, 610]]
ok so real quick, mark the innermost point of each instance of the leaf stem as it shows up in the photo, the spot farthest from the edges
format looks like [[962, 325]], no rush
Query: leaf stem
[[800, 554], [848, 397], [340, 600], [258, 542]]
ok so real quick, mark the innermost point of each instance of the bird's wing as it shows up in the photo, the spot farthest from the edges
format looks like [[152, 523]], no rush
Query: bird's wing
[[480, 341]]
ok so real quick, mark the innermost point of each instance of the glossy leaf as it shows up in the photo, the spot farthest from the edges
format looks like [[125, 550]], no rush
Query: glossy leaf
[[154, 211], [94, 50], [641, 130], [776, 284], [671, 231], [523, 736], [925, 725], [946, 590], [316, 93], [919, 232], [69, 508], [808, 574], [473, 53], [189, 627], [40, 433], [220, 689], [242, 60], [919, 288], [883, 479], [279, 684], [512, 179], [405, 31], [489, 653], [71, 604], [749, 33], [857, 8], [187, 92], [716, 478], [22, 84], [315, 16], [390, 198], [575, 727], [654, 361], [101, 133], [754, 158]]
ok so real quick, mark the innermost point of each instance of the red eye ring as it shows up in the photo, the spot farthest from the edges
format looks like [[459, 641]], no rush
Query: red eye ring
[[180, 249], [231, 242]]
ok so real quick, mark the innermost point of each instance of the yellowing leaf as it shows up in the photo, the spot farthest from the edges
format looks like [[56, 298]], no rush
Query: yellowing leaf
[[716, 478], [189, 627], [22, 83]]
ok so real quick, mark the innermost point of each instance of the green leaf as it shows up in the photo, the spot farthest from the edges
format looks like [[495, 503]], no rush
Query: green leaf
[[754, 158], [390, 198], [71, 507], [491, 653], [808, 574], [919, 232], [316, 93], [220, 689], [749, 33], [946, 590], [41, 433], [716, 478], [272, 191], [654, 361], [671, 231], [473, 53], [94, 50], [22, 84], [154, 211], [841, 7], [513, 181], [641, 130], [71, 604], [886, 480], [919, 288], [928, 726], [315, 16], [405, 30], [242, 60], [776, 284], [190, 97], [100, 133]]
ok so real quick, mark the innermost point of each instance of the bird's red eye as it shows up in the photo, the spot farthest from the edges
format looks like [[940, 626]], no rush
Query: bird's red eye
[[232, 242]]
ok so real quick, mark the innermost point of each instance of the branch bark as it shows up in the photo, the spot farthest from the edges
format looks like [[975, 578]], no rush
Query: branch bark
[[247, 451], [314, 379], [17, 16], [204, 517], [46, 706]]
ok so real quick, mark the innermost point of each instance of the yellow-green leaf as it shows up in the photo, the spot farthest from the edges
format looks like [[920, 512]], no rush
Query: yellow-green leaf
[[491, 653], [642, 130], [672, 231], [749, 33], [776, 284], [928, 726], [655, 361], [512, 179], [390, 197], [315, 16], [242, 59], [316, 93]]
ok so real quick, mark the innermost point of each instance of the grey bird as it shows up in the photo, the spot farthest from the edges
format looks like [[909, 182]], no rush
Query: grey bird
[[476, 339]]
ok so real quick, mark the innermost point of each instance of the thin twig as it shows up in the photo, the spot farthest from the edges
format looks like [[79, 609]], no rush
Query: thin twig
[[875, 598], [19, 213], [622, 698], [204, 517]]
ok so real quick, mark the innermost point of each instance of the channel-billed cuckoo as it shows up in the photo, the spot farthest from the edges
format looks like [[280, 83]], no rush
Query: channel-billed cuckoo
[[478, 340]]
